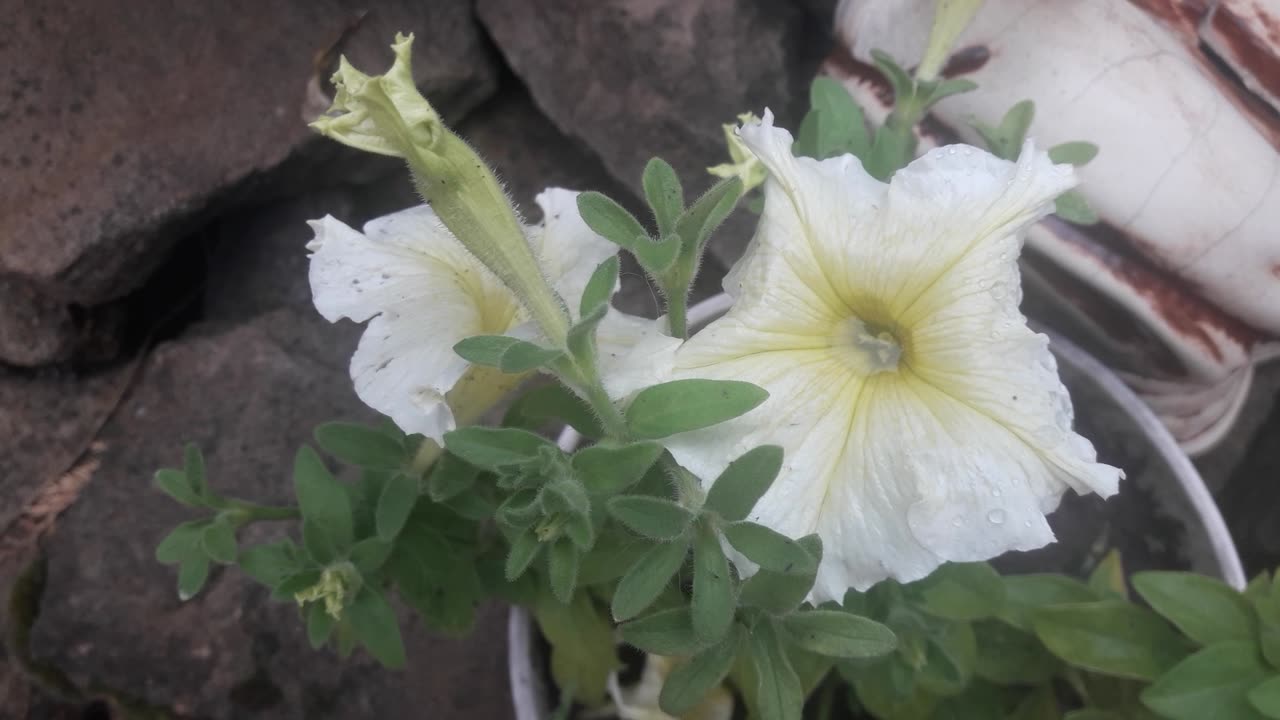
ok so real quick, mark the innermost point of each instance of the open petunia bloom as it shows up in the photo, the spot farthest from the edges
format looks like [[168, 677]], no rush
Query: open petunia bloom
[[922, 420], [422, 293]]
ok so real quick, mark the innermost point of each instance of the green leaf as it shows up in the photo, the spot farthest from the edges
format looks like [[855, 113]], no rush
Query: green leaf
[[1110, 637], [841, 127], [1268, 612], [395, 503], [962, 591], [669, 632], [271, 563], [193, 468], [650, 516], [614, 553], [508, 354], [174, 484], [582, 645], [705, 215], [318, 543], [647, 578], [295, 583], [900, 80], [1265, 697], [581, 339], [1204, 609], [450, 477], [1213, 683], [839, 634], [778, 695], [599, 287], [1009, 656], [689, 682], [370, 554], [495, 448], [553, 402], [663, 192], [683, 405], [778, 593], [942, 89], [1076, 152], [611, 221], [562, 564], [1025, 593], [1006, 140], [713, 593], [523, 551], [806, 142], [323, 501], [1107, 579], [737, 489], [192, 574], [319, 625], [376, 627], [219, 541], [769, 549], [950, 657], [1072, 207], [609, 469], [181, 543], [360, 446]]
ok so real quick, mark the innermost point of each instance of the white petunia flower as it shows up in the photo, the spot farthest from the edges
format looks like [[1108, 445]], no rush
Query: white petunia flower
[[422, 292], [922, 420]]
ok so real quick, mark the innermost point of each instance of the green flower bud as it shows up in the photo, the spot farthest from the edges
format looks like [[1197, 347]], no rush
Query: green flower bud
[[387, 115], [337, 584], [949, 20]]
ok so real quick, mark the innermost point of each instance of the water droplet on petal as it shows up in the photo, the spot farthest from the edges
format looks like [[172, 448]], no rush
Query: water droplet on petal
[[1026, 523], [996, 517], [951, 150], [956, 522], [995, 492]]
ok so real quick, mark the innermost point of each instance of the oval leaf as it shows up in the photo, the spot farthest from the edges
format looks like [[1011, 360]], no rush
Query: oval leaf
[[769, 549], [1213, 683], [647, 578], [839, 634], [684, 405], [1204, 608], [688, 683], [396, 501], [376, 627], [321, 498], [650, 516], [713, 592], [737, 489], [360, 446], [1111, 637], [669, 632]]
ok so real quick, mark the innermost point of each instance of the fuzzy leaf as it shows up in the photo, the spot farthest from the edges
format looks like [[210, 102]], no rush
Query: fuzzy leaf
[[713, 592], [1213, 683], [360, 446], [769, 549], [599, 287], [683, 405], [663, 192], [495, 448], [651, 517], [609, 469], [647, 578], [1203, 608], [323, 501], [737, 489], [1110, 637], [688, 683], [839, 634], [375, 626], [396, 501]]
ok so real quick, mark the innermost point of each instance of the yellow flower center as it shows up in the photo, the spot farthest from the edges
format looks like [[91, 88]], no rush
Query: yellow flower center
[[871, 343]]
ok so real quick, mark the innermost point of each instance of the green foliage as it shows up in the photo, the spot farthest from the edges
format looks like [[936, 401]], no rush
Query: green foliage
[[508, 354], [599, 287], [1111, 637], [362, 446], [665, 195], [690, 681], [684, 405], [744, 482], [1204, 609]]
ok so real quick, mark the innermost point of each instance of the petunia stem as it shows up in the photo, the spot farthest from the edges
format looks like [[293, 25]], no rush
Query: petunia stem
[[677, 314], [253, 512]]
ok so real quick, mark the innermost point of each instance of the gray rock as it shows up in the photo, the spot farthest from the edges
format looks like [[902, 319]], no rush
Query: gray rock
[[657, 77], [128, 123], [110, 616], [34, 328]]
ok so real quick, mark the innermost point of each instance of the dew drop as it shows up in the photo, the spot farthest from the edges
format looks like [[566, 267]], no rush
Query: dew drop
[[1026, 523], [956, 522], [984, 284], [996, 517], [951, 150], [995, 492]]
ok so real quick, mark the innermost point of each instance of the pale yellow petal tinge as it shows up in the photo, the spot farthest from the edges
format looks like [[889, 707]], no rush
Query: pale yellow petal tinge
[[922, 420], [422, 292]]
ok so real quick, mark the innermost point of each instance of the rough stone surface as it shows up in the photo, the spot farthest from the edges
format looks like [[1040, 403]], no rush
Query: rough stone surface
[[47, 421], [657, 77], [34, 329], [110, 615], [125, 121]]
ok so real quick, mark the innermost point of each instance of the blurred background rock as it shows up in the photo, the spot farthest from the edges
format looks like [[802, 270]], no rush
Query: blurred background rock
[[156, 174]]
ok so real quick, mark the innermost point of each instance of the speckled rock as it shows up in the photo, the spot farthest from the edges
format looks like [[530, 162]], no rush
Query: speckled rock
[[125, 122]]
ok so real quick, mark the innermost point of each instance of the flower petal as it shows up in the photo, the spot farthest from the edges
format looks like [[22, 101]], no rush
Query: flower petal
[[567, 249], [424, 293]]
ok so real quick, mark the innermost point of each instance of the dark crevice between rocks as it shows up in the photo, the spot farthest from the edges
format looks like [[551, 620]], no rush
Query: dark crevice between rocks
[[93, 701]]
